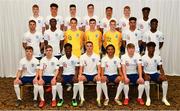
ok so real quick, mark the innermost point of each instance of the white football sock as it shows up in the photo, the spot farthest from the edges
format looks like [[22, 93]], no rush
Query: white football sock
[[98, 90], [164, 88], [35, 91], [126, 90], [59, 89], [105, 90], [75, 90], [17, 91], [81, 90], [140, 90], [54, 92], [119, 89], [41, 92]]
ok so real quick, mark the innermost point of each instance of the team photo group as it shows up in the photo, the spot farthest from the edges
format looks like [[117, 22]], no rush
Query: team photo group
[[72, 51]]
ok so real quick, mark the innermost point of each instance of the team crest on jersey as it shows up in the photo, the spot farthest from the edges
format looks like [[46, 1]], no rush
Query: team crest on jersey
[[108, 39], [115, 62], [32, 65], [124, 24], [77, 35], [24, 67], [93, 59], [39, 21], [136, 34], [135, 61], [85, 63], [116, 36], [52, 63], [56, 35], [29, 40], [127, 63], [155, 61], [96, 35], [72, 62], [64, 64], [69, 37], [128, 37], [37, 37], [44, 65], [141, 26]]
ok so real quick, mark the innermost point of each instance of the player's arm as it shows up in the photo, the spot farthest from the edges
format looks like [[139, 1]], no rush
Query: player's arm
[[61, 27], [18, 74], [82, 40], [161, 70], [160, 45], [140, 70], [59, 76], [24, 45], [61, 44], [105, 41], [100, 40], [46, 26]]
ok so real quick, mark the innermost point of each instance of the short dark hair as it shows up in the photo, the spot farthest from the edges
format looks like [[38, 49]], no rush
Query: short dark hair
[[92, 19], [48, 46], [127, 7], [29, 48], [132, 18], [89, 42], [54, 5], [112, 21], [151, 44], [130, 45], [110, 45], [73, 19], [32, 21], [90, 5], [153, 20], [67, 45], [146, 8], [109, 8], [72, 5], [35, 6]]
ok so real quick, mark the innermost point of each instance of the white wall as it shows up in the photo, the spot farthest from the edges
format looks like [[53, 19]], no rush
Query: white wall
[[14, 15]]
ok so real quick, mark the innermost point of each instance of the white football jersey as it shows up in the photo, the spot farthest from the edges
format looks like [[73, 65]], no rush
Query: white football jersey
[[86, 21], [131, 63], [27, 67], [89, 63], [110, 65], [40, 22], [124, 24], [49, 66], [104, 23], [156, 37], [59, 19], [53, 39], [132, 37], [150, 64], [68, 65], [143, 26], [67, 22], [34, 40]]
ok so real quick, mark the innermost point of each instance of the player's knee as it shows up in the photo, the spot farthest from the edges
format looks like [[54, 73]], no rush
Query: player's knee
[[147, 77]]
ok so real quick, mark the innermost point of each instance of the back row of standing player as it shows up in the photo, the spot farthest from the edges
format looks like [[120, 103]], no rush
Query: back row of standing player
[[56, 31]]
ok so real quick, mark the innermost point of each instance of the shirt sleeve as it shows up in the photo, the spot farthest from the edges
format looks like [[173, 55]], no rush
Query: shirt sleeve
[[159, 61], [60, 62], [81, 61], [20, 65], [46, 36], [103, 62], [61, 36], [98, 61], [77, 62], [123, 60], [118, 63], [41, 64], [24, 39], [161, 38]]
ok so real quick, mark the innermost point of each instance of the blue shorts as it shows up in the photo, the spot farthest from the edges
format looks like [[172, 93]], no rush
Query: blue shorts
[[111, 78], [47, 79], [26, 80], [67, 79], [133, 78], [89, 77], [154, 77]]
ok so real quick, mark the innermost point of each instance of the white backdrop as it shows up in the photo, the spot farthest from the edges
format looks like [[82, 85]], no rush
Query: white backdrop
[[14, 15]]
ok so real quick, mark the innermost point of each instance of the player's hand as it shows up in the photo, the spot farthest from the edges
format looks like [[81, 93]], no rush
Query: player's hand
[[53, 81], [41, 81], [140, 80], [162, 77], [17, 81], [126, 80], [103, 79], [80, 78], [35, 80], [75, 79]]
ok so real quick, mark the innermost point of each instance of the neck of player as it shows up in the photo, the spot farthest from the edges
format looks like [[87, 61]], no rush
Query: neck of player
[[89, 53], [28, 58], [68, 56], [36, 15], [32, 31], [110, 56], [150, 55], [53, 28], [145, 18], [92, 29], [153, 30], [48, 56]]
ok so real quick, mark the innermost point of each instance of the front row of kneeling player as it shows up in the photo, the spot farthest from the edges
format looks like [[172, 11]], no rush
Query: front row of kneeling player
[[132, 68]]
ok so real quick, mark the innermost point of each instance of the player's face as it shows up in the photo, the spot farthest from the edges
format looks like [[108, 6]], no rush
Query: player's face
[[92, 24], [131, 51], [132, 24], [109, 12], [73, 23], [89, 47], [151, 50], [154, 25], [110, 51], [53, 23], [73, 10], [35, 11], [127, 12], [29, 53], [54, 10], [68, 50], [146, 13], [90, 9], [32, 26], [49, 52], [113, 25]]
